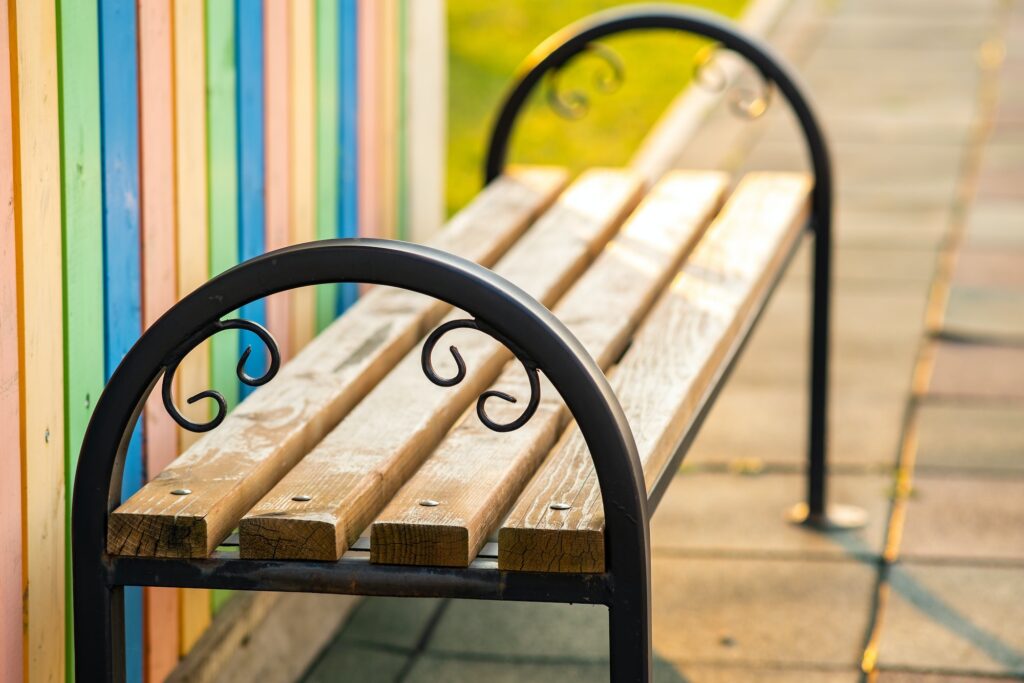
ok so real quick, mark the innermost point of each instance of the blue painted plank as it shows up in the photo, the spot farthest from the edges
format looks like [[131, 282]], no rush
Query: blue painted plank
[[348, 139], [119, 99], [251, 207]]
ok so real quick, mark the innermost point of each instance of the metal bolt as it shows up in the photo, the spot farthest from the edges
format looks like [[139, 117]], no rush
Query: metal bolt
[[429, 503], [302, 498], [560, 506], [181, 492]]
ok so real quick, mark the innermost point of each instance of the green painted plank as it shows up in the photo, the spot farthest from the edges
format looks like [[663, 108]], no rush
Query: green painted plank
[[82, 222], [222, 162], [328, 82]]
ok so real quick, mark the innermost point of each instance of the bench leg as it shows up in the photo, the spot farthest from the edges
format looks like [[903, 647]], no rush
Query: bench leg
[[99, 633], [629, 636]]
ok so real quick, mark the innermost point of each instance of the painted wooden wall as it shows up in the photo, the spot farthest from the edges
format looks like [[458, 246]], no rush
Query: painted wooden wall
[[146, 145]]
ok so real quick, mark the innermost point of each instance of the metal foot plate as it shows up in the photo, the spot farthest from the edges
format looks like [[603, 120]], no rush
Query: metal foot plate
[[836, 517]]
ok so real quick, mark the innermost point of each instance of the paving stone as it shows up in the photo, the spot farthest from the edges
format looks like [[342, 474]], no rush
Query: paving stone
[[954, 619], [516, 629], [915, 677], [996, 268], [922, 32], [767, 612], [353, 662], [995, 224], [432, 668], [770, 423], [985, 313], [965, 519], [878, 264], [390, 622], [866, 227], [977, 370], [970, 436], [705, 512]]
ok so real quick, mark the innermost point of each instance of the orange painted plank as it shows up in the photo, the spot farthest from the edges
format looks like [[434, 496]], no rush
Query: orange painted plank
[[303, 155], [159, 284], [277, 117], [191, 216], [37, 212], [11, 640]]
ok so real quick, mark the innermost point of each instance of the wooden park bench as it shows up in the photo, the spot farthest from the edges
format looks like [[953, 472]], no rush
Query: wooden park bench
[[523, 462]]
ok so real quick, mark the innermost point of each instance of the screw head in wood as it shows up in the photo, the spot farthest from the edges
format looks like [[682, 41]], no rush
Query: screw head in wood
[[560, 506], [428, 503], [181, 492], [302, 498]]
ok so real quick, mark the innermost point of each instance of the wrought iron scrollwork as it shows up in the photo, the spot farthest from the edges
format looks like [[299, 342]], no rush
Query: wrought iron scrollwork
[[171, 366], [460, 373], [749, 104], [575, 104]]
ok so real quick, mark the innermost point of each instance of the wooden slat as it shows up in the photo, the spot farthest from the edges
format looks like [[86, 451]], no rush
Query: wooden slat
[[348, 135], [276, 142], [11, 625], [37, 211], [159, 285], [664, 378], [230, 468], [193, 263], [369, 125], [81, 197], [476, 473], [328, 82], [302, 44], [359, 465]]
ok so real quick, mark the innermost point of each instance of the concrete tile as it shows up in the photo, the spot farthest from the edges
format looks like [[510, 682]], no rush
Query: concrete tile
[[985, 313], [935, 32], [965, 519], [351, 662], [390, 622], [954, 619], [970, 436], [876, 264], [977, 370], [705, 512], [770, 423], [518, 629], [431, 668], [726, 674], [990, 268], [915, 677], [995, 224], [866, 227], [767, 612]]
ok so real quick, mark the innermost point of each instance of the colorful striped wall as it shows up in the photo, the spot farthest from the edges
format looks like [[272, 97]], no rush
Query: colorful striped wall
[[146, 145]]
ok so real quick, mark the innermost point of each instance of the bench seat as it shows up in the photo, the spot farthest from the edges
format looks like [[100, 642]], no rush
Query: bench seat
[[352, 453]]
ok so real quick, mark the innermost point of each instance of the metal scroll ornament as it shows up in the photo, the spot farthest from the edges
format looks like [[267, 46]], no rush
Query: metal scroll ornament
[[574, 104], [171, 366], [744, 102], [460, 373]]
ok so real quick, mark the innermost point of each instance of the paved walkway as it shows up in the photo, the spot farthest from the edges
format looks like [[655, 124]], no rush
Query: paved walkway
[[924, 104]]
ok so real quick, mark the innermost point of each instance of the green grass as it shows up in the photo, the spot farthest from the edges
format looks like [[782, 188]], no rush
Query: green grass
[[488, 40]]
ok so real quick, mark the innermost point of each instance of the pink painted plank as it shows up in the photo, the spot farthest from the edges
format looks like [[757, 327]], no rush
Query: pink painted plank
[[369, 125]]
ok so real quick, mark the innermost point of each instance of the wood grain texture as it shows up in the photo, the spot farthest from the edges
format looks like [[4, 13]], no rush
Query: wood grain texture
[[122, 241], [425, 71], [276, 141], [37, 212], [159, 284], [193, 374], [222, 175], [11, 623], [302, 44], [82, 218], [328, 83], [664, 378], [476, 473], [232, 467], [351, 474]]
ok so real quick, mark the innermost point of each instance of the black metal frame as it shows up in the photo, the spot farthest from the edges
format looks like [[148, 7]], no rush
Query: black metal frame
[[498, 308]]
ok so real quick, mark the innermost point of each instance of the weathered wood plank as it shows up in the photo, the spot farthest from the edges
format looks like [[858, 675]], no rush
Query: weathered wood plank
[[230, 468], [475, 474], [664, 378], [37, 213], [350, 475], [12, 636], [193, 248]]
